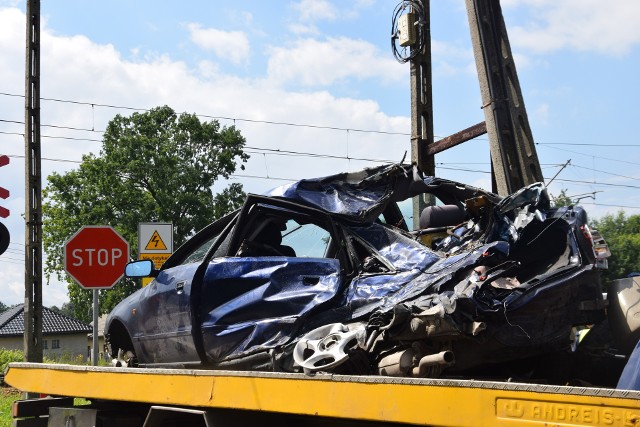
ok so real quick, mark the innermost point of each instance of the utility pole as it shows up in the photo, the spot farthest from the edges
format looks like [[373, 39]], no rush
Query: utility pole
[[514, 160], [33, 190], [513, 154], [422, 105]]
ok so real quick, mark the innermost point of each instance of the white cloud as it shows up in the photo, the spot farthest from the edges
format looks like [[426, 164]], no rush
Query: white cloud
[[303, 29], [76, 68], [231, 45], [608, 28], [541, 113], [247, 17], [323, 10], [450, 59], [312, 62], [315, 10]]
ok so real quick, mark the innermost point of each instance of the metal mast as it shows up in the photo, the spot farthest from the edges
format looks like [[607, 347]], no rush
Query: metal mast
[[33, 190]]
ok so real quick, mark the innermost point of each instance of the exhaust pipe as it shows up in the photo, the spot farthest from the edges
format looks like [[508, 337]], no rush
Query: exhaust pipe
[[442, 359]]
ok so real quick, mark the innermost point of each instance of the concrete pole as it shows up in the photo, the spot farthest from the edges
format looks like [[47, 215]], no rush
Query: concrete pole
[[422, 110]]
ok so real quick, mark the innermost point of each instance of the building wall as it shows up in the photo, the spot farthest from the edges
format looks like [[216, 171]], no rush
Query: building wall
[[102, 350], [69, 345]]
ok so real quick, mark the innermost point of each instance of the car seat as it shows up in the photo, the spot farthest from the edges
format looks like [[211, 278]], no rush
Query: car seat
[[268, 243], [434, 221]]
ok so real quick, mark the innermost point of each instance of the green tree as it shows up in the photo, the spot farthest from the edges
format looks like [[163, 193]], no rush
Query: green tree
[[65, 309], [3, 307], [622, 234], [562, 199], [153, 166]]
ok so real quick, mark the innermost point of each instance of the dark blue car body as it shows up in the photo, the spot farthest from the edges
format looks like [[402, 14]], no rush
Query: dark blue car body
[[505, 284]]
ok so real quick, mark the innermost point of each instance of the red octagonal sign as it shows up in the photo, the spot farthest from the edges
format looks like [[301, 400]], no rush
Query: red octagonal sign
[[96, 256]]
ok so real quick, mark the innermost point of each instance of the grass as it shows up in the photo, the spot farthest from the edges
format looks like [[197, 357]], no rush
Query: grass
[[7, 396]]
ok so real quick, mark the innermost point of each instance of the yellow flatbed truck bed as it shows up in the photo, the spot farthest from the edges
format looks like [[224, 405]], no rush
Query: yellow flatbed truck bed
[[225, 398]]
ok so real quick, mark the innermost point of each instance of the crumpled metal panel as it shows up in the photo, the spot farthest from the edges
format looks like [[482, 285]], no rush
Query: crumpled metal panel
[[357, 195], [261, 302], [534, 194], [402, 252], [448, 287]]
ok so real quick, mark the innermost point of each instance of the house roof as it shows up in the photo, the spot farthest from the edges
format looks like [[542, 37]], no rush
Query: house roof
[[12, 322]]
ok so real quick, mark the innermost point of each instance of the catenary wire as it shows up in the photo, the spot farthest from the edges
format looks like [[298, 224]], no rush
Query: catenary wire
[[234, 119], [279, 152]]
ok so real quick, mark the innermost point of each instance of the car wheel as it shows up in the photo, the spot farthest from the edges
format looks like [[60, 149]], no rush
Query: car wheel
[[125, 359], [120, 346]]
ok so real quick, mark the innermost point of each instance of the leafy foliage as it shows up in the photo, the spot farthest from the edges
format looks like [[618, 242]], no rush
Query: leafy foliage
[[622, 234], [7, 356], [65, 309], [562, 199], [153, 166]]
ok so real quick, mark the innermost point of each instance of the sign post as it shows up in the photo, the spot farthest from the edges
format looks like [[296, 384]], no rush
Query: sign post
[[95, 257], [94, 338]]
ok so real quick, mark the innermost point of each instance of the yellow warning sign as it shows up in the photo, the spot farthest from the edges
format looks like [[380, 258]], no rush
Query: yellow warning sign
[[158, 260], [155, 243]]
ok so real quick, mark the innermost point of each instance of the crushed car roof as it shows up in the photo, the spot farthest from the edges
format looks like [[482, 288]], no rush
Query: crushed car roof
[[362, 195]]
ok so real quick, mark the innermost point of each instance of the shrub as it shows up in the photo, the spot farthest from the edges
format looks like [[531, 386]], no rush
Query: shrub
[[7, 356]]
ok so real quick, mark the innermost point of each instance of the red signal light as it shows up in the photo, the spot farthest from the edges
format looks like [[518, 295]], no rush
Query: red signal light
[[4, 193], [4, 212]]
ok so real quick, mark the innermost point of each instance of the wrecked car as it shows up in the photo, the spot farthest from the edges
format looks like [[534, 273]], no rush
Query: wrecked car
[[325, 275]]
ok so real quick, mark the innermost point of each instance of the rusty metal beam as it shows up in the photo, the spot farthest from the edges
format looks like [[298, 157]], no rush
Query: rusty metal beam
[[456, 138]]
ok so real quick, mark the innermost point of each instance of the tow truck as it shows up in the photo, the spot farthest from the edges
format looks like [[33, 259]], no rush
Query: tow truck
[[188, 397], [162, 397]]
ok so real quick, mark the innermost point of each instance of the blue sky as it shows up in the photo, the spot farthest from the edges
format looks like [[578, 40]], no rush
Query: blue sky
[[327, 64]]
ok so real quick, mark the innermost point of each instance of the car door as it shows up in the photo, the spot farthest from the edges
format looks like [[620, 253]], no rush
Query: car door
[[164, 313], [165, 325], [259, 295]]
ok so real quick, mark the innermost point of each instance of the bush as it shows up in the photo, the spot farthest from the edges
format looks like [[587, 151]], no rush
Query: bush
[[66, 358], [8, 356]]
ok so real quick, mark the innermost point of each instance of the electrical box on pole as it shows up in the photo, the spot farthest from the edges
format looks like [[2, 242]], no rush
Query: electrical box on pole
[[411, 30]]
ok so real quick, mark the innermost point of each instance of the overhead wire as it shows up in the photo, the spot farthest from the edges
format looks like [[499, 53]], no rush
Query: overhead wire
[[234, 119], [592, 156], [605, 172], [587, 144], [95, 104], [271, 151], [607, 184], [259, 150]]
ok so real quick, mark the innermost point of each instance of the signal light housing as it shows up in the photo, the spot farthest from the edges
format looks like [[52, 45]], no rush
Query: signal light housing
[[4, 193], [4, 212]]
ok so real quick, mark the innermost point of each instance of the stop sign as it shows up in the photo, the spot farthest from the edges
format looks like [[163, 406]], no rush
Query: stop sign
[[96, 256]]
